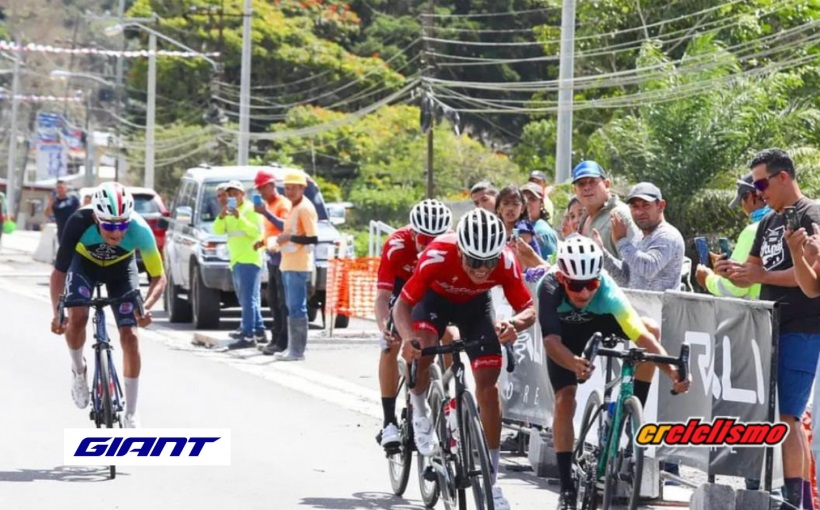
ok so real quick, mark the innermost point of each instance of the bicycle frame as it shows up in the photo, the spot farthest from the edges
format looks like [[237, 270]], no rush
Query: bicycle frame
[[613, 421], [102, 347]]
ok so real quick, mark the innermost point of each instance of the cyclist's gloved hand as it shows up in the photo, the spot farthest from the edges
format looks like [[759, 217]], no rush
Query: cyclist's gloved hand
[[143, 321], [409, 353], [56, 327], [583, 368], [388, 340], [506, 332], [680, 386]]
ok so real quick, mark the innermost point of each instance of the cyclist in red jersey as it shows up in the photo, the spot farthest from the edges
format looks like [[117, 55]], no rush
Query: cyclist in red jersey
[[451, 284], [428, 219]]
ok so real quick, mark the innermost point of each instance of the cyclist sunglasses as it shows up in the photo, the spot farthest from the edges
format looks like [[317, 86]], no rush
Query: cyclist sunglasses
[[474, 263], [579, 285], [120, 226]]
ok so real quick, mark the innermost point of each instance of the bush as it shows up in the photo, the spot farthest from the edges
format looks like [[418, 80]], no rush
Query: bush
[[392, 206]]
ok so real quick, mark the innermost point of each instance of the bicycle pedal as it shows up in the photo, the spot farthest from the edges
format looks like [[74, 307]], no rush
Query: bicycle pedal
[[430, 474], [392, 450]]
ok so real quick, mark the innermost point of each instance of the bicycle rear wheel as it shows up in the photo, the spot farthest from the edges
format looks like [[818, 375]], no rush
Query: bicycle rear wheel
[[399, 459], [586, 459], [624, 471], [475, 456], [106, 390]]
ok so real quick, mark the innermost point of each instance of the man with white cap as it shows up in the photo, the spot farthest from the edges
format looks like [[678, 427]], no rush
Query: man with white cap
[[300, 231]]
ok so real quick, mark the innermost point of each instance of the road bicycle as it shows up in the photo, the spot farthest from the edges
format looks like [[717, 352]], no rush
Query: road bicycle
[[620, 467], [106, 393], [462, 459]]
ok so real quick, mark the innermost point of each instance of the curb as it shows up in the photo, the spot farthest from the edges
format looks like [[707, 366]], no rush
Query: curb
[[350, 337]]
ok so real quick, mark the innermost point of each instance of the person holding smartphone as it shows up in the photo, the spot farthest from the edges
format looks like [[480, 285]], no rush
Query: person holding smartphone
[[243, 226], [771, 263], [716, 280]]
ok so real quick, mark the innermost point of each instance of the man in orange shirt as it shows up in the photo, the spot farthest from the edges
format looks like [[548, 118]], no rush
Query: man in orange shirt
[[274, 208], [301, 230]]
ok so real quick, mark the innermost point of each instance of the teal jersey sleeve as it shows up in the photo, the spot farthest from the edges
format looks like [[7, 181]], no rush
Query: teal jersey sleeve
[[610, 299]]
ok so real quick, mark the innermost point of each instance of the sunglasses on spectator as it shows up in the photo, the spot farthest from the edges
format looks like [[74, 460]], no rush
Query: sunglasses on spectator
[[119, 226], [423, 239], [579, 285], [763, 184], [474, 263]]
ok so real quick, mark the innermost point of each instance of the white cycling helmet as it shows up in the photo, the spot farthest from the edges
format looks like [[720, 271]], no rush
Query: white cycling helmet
[[481, 235], [111, 201], [579, 258], [431, 218]]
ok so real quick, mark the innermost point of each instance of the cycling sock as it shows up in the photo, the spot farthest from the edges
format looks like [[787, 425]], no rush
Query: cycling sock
[[793, 491], [641, 390], [495, 455], [808, 496], [389, 408], [131, 387], [420, 407], [565, 471], [77, 361]]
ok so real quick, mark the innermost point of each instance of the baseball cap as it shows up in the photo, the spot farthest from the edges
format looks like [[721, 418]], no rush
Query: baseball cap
[[744, 185], [234, 185], [534, 189], [262, 178], [645, 191], [539, 175], [587, 169]]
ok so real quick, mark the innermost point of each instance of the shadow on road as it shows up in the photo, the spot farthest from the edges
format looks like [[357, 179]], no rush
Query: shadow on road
[[59, 474], [364, 501]]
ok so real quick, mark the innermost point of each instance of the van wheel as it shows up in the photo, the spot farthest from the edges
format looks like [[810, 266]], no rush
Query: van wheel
[[204, 302], [179, 310]]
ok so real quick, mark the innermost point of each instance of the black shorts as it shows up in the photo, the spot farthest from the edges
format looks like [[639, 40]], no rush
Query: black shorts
[[83, 276], [559, 376], [474, 320]]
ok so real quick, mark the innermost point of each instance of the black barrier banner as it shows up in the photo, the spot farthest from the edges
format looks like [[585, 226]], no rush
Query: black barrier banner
[[730, 362]]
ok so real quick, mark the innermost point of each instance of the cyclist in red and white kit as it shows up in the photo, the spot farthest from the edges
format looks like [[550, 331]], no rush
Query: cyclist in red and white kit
[[428, 219], [451, 284]]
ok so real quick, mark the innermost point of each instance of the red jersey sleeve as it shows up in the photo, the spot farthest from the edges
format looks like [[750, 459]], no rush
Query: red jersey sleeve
[[515, 290], [386, 277], [431, 261]]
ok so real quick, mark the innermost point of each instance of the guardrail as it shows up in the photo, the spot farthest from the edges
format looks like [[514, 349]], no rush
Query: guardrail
[[375, 242]]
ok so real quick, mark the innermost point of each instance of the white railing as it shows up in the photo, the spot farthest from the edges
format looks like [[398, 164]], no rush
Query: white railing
[[375, 242]]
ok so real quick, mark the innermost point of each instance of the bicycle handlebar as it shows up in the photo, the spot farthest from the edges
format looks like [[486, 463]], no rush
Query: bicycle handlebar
[[594, 349], [100, 302], [451, 348]]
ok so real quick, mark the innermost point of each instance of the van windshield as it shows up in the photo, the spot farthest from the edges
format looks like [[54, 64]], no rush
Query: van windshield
[[211, 208]]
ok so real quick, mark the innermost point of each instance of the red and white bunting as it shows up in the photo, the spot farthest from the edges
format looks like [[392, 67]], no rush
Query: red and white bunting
[[45, 48]]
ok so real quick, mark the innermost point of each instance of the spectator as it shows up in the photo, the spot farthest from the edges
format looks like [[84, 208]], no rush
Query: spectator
[[717, 281], [3, 213], [484, 195], [275, 208], [654, 261], [572, 217], [215, 205], [538, 178], [592, 187], [771, 264], [61, 205], [509, 206], [300, 230], [244, 230], [535, 212]]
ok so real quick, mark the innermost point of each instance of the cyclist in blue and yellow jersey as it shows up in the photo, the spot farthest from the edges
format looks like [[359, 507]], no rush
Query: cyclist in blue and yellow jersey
[[98, 247], [577, 299]]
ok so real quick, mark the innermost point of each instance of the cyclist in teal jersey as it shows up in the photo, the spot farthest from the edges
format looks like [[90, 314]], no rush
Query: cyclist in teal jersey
[[98, 247], [576, 300]]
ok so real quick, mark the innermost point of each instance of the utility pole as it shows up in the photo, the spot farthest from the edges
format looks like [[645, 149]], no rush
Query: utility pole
[[150, 116], [245, 86], [563, 155], [120, 166], [428, 96], [89, 143], [11, 175]]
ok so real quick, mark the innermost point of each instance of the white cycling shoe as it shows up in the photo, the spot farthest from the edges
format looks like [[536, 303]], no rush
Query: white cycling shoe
[[79, 389], [390, 436], [499, 501], [130, 421], [425, 436]]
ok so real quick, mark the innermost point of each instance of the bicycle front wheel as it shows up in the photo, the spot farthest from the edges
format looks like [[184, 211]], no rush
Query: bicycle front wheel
[[585, 457], [106, 391], [475, 456], [624, 471], [429, 484], [398, 460]]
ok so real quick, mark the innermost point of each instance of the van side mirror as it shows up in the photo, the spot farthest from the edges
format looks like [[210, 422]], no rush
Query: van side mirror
[[184, 214]]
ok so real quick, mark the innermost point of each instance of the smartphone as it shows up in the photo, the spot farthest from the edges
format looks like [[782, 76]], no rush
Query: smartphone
[[257, 200], [231, 203], [516, 234], [703, 250], [724, 246], [791, 218]]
